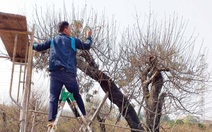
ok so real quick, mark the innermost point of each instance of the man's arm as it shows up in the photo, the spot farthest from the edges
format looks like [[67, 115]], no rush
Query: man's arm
[[84, 45], [43, 46]]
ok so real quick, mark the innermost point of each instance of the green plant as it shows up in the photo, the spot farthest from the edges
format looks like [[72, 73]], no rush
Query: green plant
[[179, 122], [202, 126]]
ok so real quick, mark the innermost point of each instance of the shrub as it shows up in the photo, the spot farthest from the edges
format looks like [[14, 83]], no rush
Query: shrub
[[179, 122], [202, 126]]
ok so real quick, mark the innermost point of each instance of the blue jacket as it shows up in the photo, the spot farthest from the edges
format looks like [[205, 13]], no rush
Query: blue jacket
[[63, 51]]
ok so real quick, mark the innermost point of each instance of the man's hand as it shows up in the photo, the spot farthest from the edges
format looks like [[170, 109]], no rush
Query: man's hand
[[89, 32]]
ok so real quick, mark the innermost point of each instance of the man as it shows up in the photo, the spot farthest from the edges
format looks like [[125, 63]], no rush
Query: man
[[62, 65]]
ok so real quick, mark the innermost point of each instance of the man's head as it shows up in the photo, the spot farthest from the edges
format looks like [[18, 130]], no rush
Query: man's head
[[63, 27]]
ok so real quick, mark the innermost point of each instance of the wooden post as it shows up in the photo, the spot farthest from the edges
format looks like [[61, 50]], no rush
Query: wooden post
[[99, 108], [25, 101]]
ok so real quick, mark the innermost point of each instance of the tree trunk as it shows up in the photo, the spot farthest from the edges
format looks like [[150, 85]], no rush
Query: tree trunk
[[115, 94], [154, 102]]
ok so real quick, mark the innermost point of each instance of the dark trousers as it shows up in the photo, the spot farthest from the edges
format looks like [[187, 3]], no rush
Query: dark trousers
[[57, 80]]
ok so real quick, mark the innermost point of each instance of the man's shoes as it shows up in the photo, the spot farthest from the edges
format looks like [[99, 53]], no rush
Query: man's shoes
[[51, 125]]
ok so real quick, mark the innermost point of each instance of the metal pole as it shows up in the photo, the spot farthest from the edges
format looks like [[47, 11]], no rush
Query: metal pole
[[13, 66], [24, 110]]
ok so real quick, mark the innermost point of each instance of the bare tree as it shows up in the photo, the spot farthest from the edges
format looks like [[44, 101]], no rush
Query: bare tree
[[143, 68], [164, 67], [103, 68]]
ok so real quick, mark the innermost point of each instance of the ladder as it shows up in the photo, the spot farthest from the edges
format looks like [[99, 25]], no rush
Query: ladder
[[69, 97]]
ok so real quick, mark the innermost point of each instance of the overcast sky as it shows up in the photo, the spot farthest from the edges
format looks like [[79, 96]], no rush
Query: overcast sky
[[197, 12]]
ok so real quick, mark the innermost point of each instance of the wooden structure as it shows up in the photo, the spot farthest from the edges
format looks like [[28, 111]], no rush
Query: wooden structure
[[18, 43], [10, 26]]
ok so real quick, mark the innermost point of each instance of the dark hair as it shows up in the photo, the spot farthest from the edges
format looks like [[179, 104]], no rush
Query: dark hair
[[62, 25]]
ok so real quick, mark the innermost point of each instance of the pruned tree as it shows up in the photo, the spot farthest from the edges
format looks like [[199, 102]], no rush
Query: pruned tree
[[143, 68], [100, 70], [165, 68]]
